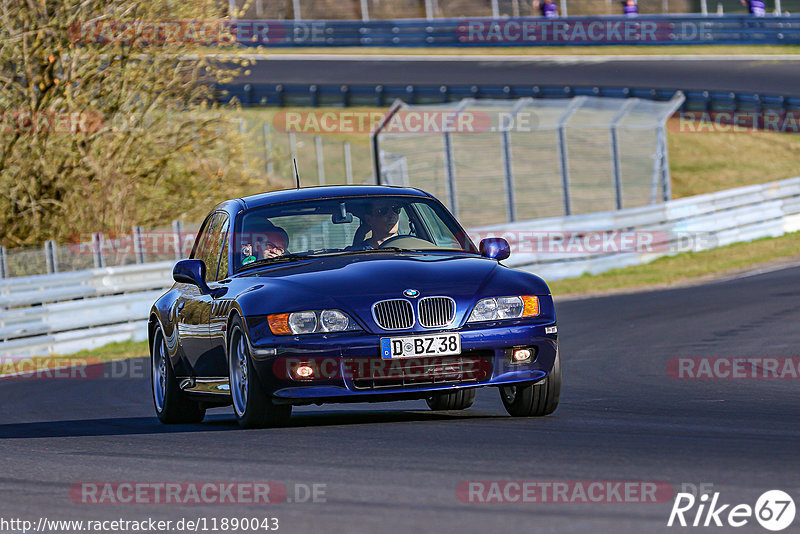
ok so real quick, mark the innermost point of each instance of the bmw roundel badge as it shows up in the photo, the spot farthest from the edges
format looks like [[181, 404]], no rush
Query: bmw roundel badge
[[411, 293]]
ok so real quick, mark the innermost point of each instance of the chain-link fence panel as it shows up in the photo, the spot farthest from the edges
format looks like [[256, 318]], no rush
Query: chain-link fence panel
[[498, 161]]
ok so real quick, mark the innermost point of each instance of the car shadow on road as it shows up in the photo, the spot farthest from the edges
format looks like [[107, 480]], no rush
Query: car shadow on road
[[220, 422]]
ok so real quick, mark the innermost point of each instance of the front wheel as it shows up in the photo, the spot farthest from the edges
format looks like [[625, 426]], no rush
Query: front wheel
[[252, 406], [534, 400], [172, 405]]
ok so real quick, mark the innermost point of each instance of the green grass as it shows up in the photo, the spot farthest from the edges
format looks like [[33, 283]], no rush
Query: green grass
[[704, 162], [687, 266], [678, 50]]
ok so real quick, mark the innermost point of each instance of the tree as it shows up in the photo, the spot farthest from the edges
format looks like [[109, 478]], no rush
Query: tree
[[106, 120]]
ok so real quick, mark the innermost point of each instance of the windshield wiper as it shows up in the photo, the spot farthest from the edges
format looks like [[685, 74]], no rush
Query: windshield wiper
[[373, 250]]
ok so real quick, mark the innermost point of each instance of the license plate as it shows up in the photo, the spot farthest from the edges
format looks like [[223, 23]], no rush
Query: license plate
[[418, 346]]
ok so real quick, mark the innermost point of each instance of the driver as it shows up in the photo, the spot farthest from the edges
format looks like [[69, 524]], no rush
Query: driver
[[383, 218], [264, 241]]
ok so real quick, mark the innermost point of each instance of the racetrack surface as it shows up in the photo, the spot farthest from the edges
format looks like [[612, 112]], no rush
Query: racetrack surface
[[763, 76], [395, 467]]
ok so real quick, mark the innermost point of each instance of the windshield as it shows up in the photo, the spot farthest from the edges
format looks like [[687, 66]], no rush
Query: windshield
[[348, 225]]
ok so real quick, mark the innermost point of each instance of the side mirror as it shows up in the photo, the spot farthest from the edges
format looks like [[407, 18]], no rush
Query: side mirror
[[496, 248], [191, 272]]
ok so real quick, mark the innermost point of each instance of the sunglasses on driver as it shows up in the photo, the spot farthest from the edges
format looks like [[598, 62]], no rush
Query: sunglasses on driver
[[382, 212]]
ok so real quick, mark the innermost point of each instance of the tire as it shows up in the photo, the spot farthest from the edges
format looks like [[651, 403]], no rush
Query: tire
[[171, 404], [252, 406], [537, 399], [454, 400]]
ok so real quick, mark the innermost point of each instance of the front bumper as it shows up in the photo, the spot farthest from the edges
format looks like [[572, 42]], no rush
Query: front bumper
[[347, 364]]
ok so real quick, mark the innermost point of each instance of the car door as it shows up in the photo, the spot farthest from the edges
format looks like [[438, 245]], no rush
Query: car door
[[193, 308], [212, 362]]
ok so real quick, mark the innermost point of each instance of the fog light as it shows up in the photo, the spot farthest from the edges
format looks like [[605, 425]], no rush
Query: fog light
[[303, 371], [521, 355]]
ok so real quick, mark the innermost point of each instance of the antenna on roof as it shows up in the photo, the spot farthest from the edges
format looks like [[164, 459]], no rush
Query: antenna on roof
[[296, 174]]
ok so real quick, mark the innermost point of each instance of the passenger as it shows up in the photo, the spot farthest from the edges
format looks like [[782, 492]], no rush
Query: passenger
[[264, 241], [383, 218]]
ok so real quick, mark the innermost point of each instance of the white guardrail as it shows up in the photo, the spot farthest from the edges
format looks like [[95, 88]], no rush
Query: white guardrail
[[63, 313]]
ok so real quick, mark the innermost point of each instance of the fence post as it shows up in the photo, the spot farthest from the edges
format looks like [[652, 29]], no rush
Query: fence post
[[138, 248], [3, 263], [348, 163], [364, 11], [375, 142], [97, 247], [177, 230], [704, 7], [495, 10], [320, 159], [615, 158], [450, 173], [563, 9], [50, 256], [562, 150], [666, 179], [429, 14], [508, 167], [296, 10], [268, 149]]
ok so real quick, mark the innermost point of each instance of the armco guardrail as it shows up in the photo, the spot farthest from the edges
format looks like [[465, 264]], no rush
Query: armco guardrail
[[522, 31], [566, 247], [256, 95], [63, 313]]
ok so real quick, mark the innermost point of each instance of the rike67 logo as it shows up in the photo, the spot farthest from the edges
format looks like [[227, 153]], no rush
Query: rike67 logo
[[774, 510]]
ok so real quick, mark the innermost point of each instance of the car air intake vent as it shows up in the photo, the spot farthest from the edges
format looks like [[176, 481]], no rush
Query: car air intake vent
[[436, 312], [396, 314]]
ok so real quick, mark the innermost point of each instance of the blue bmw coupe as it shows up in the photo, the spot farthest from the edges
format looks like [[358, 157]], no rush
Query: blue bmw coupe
[[347, 294]]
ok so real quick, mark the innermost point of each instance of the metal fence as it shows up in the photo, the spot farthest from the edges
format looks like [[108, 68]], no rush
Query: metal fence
[[433, 9], [502, 161], [97, 250]]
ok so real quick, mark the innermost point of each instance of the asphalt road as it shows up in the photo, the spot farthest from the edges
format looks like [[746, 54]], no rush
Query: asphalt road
[[392, 468], [745, 75]]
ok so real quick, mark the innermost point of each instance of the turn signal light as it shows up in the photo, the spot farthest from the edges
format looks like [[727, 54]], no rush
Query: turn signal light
[[531, 306]]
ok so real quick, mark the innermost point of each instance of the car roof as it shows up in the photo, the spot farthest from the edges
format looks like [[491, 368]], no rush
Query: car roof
[[330, 191]]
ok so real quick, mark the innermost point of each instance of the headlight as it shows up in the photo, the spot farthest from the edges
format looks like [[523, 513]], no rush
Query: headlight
[[495, 308], [310, 322]]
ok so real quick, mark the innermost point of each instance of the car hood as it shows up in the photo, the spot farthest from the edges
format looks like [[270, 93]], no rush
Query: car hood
[[353, 283]]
